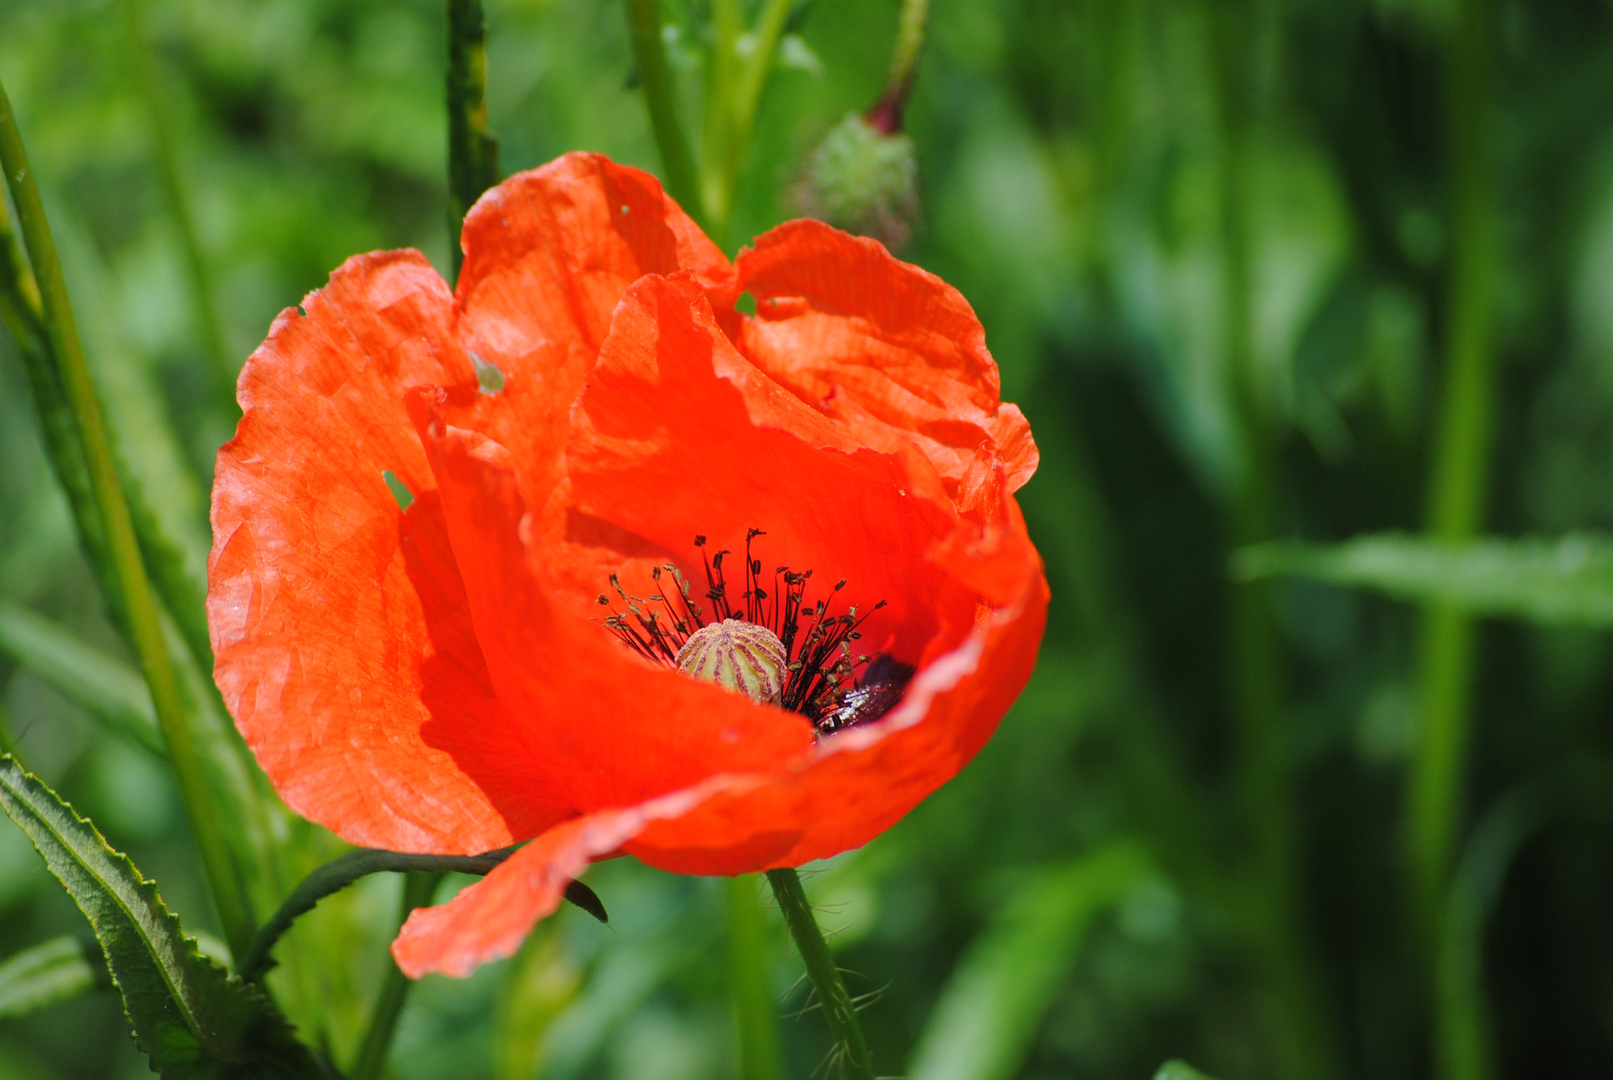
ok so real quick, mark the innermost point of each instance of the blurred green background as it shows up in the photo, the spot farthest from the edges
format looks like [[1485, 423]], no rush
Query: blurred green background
[[1219, 249]]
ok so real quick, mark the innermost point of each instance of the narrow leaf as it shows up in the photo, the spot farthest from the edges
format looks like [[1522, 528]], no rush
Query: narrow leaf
[[52, 971], [1178, 1070], [111, 690], [189, 1016], [989, 1011], [1565, 581]]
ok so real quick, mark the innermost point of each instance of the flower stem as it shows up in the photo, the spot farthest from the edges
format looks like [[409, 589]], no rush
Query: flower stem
[[203, 301], [1456, 500], [733, 95], [134, 588], [344, 870], [418, 888], [850, 1047], [754, 1011], [682, 183], [472, 150], [886, 115]]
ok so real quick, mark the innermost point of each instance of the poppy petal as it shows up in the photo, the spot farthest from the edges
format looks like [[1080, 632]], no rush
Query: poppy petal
[[860, 783], [863, 780], [339, 624], [603, 728], [549, 254], [489, 918], [679, 435], [879, 343]]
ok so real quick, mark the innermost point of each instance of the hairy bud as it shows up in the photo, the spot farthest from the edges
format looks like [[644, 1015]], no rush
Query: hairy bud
[[863, 180]]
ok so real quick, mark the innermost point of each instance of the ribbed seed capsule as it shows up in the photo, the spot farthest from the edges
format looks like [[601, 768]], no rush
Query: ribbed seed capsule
[[738, 655]]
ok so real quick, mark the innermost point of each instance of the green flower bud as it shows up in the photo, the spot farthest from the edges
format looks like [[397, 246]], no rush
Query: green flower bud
[[863, 180]]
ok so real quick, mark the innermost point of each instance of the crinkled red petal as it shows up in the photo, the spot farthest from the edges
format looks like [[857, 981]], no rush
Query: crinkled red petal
[[891, 350]]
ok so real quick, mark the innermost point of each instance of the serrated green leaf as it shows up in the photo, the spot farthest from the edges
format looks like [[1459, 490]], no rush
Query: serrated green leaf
[[992, 1005], [113, 691], [1565, 581], [52, 971], [1178, 1070], [191, 1018]]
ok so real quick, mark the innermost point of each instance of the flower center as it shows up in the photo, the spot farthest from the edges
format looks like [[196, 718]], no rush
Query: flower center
[[738, 655], [773, 647]]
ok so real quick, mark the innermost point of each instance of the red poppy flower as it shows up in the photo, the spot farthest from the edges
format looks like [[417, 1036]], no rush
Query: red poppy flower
[[586, 404]]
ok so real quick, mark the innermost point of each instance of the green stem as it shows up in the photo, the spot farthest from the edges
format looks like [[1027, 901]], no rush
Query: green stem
[[22, 315], [755, 1014], [886, 115], [472, 150], [8, 734], [1456, 502], [337, 875], [343, 870], [1303, 1039], [682, 182], [716, 144], [203, 300], [145, 626], [736, 104], [418, 889], [851, 1049]]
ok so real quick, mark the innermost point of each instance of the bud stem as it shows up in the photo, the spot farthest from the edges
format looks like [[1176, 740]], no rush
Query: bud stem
[[850, 1046], [472, 149], [886, 115]]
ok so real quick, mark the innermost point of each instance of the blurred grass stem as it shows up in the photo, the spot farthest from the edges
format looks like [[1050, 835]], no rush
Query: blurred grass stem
[[850, 1048], [419, 887], [133, 587], [22, 314], [649, 53], [472, 149], [204, 302], [1456, 505], [739, 66], [1272, 906], [755, 1011]]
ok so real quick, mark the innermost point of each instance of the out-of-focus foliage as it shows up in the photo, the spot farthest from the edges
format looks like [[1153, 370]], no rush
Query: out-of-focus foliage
[[191, 1018], [1567, 581], [1179, 220]]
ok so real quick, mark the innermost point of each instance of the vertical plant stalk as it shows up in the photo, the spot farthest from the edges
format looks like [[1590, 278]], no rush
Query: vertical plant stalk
[[649, 53], [734, 88], [886, 115], [8, 734], [419, 886], [472, 150], [1303, 1040], [717, 137], [850, 1048], [755, 1012], [134, 588], [1456, 506], [203, 301], [23, 317]]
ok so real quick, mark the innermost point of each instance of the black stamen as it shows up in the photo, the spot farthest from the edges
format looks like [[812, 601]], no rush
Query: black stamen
[[822, 682]]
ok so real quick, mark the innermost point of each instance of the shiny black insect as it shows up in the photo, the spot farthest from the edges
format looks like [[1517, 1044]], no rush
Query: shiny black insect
[[876, 693]]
